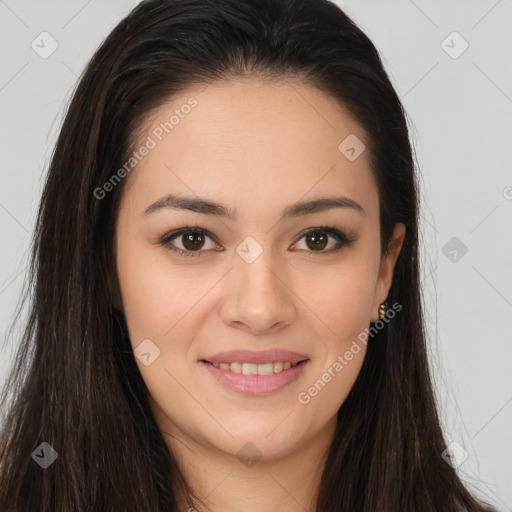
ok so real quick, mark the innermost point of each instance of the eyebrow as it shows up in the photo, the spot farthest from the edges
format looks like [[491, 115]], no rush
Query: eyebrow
[[206, 207]]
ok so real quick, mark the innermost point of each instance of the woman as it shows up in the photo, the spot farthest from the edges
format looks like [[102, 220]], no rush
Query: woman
[[226, 310]]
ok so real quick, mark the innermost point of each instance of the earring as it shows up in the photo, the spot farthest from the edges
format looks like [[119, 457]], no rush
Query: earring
[[382, 310]]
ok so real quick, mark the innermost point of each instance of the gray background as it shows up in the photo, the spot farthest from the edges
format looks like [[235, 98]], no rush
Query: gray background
[[460, 106]]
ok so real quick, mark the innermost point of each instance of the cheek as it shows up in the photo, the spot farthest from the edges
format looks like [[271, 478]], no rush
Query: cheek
[[344, 304], [342, 297], [161, 303], [156, 295]]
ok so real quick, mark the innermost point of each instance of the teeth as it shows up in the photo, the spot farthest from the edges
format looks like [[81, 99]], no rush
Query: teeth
[[255, 369], [250, 369], [235, 367]]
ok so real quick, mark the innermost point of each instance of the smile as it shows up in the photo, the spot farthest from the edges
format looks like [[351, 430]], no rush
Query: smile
[[255, 379], [256, 369]]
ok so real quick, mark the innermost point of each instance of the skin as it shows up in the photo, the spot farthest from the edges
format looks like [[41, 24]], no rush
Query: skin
[[256, 146]]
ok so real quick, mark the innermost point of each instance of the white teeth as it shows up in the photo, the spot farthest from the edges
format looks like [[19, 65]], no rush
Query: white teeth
[[235, 367], [265, 369], [255, 369], [250, 369]]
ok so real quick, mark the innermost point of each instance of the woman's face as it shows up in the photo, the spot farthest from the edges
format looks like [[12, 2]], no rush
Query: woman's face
[[256, 277]]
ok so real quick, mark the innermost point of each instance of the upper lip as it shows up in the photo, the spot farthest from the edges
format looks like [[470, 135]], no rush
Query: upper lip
[[264, 356]]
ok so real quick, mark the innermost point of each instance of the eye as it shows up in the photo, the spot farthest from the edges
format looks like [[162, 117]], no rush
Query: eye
[[317, 239], [192, 240]]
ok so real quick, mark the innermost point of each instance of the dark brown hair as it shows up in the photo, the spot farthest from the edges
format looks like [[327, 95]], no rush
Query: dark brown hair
[[75, 384]]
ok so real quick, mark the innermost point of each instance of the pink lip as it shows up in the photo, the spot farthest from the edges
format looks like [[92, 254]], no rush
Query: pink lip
[[264, 356], [256, 384]]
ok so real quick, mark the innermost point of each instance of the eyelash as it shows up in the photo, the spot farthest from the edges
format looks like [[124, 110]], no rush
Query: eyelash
[[343, 240]]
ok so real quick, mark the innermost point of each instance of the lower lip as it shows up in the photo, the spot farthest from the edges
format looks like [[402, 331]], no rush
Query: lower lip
[[256, 385]]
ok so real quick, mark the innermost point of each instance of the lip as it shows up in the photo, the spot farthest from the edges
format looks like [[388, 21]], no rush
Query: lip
[[256, 385], [264, 356]]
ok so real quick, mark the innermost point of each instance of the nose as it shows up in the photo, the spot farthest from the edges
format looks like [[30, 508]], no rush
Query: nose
[[258, 298]]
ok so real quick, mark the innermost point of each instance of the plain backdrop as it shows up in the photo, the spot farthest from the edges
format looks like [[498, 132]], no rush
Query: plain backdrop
[[450, 62]]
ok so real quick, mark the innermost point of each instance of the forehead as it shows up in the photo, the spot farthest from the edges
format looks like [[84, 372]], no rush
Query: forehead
[[249, 141]]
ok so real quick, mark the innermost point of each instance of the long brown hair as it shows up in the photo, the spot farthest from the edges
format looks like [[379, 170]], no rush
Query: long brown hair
[[75, 384]]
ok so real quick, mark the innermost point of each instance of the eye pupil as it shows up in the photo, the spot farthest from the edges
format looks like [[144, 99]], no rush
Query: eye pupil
[[192, 239], [318, 238]]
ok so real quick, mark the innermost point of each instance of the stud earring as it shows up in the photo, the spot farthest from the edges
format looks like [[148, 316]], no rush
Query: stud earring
[[382, 310]]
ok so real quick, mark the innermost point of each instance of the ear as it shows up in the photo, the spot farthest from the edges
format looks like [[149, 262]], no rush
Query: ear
[[387, 266]]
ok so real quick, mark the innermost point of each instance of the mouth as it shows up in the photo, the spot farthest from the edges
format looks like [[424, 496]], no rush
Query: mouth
[[255, 373], [247, 368]]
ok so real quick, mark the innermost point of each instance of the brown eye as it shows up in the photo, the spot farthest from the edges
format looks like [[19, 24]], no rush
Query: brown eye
[[192, 241], [316, 240], [188, 242]]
